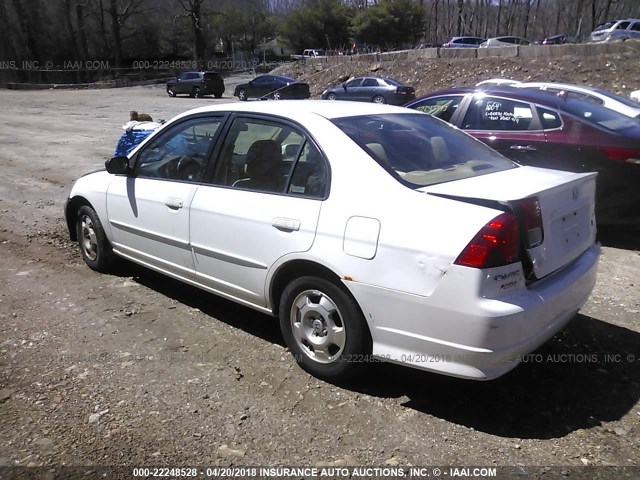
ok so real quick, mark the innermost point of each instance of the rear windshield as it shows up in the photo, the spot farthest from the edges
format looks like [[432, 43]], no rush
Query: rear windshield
[[420, 150], [601, 116], [392, 82], [624, 100]]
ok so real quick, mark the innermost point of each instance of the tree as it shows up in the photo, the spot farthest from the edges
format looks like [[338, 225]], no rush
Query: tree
[[389, 24], [320, 23]]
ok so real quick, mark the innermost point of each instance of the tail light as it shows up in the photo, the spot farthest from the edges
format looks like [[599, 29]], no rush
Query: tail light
[[496, 244], [624, 155], [531, 215]]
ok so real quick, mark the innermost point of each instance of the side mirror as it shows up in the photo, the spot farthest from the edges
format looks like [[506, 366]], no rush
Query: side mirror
[[118, 166]]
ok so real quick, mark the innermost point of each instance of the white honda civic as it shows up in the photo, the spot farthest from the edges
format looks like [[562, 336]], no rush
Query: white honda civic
[[373, 232]]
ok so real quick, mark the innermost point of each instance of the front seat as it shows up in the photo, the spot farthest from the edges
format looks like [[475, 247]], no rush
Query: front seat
[[263, 167]]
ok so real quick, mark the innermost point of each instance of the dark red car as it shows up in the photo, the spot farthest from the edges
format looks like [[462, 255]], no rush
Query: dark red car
[[541, 129]]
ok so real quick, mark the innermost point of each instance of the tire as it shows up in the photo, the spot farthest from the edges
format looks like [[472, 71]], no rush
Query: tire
[[195, 93], [331, 96], [218, 94], [324, 329], [170, 91], [276, 96], [94, 246], [379, 99], [242, 95]]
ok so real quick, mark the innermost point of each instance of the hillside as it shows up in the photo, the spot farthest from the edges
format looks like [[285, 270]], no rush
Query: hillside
[[619, 73]]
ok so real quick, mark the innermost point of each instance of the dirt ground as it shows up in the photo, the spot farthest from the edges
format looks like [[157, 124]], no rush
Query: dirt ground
[[136, 369]]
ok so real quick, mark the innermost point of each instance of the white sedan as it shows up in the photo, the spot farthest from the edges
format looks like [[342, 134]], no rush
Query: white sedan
[[373, 232], [597, 96]]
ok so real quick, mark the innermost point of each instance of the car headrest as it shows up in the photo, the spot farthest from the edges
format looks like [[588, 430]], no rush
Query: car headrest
[[263, 157]]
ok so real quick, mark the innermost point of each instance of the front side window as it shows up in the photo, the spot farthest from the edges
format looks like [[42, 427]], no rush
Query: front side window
[[181, 153], [419, 150], [622, 26], [254, 155], [441, 107], [354, 83], [491, 113]]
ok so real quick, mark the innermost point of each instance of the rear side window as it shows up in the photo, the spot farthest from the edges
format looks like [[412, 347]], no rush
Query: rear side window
[[419, 150], [492, 113], [549, 119], [586, 98], [441, 107], [636, 27], [370, 82], [603, 117]]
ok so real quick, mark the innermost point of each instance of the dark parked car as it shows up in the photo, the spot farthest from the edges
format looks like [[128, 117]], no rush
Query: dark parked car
[[545, 130], [276, 87], [196, 84], [556, 40], [372, 89]]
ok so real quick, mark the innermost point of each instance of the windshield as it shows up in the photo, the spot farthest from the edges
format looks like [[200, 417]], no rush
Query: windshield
[[604, 26], [420, 150], [603, 117]]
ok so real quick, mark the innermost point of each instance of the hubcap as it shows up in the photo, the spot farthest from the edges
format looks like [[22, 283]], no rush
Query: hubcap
[[88, 239], [276, 96], [317, 327], [241, 94], [378, 100]]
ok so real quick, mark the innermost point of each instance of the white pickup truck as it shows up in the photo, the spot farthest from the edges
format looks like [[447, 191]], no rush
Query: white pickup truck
[[310, 53]]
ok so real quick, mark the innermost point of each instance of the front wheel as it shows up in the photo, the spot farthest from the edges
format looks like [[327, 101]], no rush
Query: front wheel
[[196, 92], [242, 95], [276, 96], [171, 91], [94, 245], [324, 329], [331, 96]]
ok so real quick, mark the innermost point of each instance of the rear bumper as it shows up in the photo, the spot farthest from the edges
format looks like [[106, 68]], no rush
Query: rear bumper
[[456, 332]]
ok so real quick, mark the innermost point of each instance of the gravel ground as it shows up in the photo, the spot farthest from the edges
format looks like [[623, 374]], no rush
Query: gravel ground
[[136, 369]]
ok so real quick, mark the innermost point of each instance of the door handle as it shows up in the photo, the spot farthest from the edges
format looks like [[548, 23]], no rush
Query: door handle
[[173, 203], [286, 224], [523, 148]]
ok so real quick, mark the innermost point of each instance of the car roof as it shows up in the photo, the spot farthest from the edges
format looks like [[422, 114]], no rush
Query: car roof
[[297, 109], [523, 94]]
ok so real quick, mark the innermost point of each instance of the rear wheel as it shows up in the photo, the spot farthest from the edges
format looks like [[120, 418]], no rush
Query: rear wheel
[[195, 93], [94, 244], [379, 99], [218, 94], [242, 94], [324, 329], [276, 96], [171, 91]]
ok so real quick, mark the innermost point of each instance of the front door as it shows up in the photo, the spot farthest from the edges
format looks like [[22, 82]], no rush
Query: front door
[[149, 211], [508, 126]]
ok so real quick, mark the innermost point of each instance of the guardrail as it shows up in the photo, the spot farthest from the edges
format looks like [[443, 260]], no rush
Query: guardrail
[[631, 47]]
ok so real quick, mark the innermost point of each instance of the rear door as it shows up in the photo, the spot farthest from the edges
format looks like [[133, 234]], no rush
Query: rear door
[[369, 89], [260, 206], [511, 127]]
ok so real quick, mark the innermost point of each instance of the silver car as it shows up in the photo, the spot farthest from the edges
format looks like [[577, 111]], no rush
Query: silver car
[[594, 95], [504, 42], [617, 30]]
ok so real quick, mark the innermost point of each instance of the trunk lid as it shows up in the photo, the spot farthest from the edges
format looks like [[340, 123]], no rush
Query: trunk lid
[[567, 204]]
